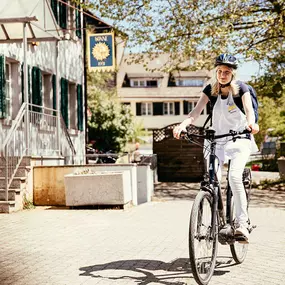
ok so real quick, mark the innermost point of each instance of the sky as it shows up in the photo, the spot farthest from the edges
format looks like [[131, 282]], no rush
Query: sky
[[248, 69]]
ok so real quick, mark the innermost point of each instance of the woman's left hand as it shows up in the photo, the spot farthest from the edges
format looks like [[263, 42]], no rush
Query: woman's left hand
[[254, 128]]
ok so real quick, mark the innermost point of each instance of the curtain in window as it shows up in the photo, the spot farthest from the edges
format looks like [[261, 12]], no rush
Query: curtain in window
[[22, 83], [78, 22], [54, 5], [64, 100], [37, 98], [79, 108], [2, 88], [63, 14]]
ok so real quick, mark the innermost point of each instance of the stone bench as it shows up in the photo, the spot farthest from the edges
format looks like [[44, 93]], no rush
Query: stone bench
[[100, 188]]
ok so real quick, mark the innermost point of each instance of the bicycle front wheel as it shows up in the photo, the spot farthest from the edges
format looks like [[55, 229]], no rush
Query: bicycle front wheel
[[239, 250], [202, 238]]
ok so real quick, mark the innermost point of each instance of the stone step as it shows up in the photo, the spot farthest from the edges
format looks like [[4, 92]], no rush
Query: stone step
[[7, 207], [26, 161], [16, 183], [22, 171], [11, 194]]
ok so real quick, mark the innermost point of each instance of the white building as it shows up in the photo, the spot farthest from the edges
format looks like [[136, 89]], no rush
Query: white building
[[55, 76], [42, 113], [159, 99]]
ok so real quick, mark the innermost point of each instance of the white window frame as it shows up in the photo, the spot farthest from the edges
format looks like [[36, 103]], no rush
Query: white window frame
[[8, 87], [146, 109], [142, 83], [168, 108], [189, 82]]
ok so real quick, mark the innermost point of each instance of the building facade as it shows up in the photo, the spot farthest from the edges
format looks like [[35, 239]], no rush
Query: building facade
[[55, 79], [157, 98]]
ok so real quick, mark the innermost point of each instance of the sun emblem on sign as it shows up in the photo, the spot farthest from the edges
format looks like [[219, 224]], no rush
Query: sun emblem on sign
[[101, 51]]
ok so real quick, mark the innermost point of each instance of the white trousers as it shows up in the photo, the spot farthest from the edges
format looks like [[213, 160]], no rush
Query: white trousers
[[239, 154]]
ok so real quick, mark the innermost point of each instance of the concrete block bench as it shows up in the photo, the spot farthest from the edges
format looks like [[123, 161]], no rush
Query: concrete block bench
[[98, 188]]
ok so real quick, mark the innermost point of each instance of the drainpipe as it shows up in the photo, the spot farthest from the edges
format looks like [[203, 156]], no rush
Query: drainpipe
[[26, 98], [85, 83], [57, 97]]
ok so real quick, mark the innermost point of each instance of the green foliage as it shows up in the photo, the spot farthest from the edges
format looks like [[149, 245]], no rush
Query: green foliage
[[199, 30], [111, 124], [271, 93]]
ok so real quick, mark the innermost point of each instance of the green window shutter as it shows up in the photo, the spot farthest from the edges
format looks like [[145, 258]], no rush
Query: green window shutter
[[78, 22], [2, 87], [157, 108], [177, 108], [36, 89], [138, 109], [54, 93], [79, 108], [63, 14], [54, 5], [64, 100]]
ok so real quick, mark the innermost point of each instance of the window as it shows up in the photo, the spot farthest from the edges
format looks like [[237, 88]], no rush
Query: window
[[146, 109], [144, 83], [8, 88], [187, 82], [168, 108]]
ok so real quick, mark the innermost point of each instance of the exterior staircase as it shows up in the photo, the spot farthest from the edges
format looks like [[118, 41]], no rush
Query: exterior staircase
[[18, 193]]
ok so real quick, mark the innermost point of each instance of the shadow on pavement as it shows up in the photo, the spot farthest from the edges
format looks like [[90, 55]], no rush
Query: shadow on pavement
[[166, 191], [140, 270]]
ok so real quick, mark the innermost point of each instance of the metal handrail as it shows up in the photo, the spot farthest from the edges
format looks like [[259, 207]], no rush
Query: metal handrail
[[67, 136], [14, 147]]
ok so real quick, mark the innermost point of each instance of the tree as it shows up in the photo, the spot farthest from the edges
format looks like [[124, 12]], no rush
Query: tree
[[271, 92], [111, 124], [200, 29]]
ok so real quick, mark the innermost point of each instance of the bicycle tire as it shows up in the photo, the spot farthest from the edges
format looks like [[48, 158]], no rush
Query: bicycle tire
[[197, 225], [239, 250]]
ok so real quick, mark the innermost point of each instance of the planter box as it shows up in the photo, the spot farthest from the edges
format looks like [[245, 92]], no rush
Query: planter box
[[281, 167], [102, 188]]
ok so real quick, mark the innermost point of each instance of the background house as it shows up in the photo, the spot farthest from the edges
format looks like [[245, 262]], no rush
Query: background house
[[157, 98]]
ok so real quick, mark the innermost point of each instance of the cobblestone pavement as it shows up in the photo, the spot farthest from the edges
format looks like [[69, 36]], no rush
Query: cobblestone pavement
[[145, 245]]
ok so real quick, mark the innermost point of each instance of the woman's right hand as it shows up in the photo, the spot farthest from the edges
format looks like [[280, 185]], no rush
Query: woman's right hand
[[182, 127]]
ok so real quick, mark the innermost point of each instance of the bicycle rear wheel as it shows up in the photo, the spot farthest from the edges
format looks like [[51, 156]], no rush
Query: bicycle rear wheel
[[202, 238], [239, 250]]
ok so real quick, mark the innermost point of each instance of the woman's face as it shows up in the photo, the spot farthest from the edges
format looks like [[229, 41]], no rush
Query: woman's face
[[224, 74]]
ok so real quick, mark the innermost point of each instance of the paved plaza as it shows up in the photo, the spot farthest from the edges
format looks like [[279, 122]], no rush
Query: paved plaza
[[145, 245]]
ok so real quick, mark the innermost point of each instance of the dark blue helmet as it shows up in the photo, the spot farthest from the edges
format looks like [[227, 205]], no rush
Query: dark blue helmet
[[228, 60]]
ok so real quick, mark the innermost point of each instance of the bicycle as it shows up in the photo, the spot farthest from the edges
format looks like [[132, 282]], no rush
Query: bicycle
[[209, 223]]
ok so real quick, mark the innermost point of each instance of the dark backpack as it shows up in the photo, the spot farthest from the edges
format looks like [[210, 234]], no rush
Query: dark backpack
[[254, 101]]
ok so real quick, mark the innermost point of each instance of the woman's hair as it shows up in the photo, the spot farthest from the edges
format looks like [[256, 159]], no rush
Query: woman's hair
[[215, 85]]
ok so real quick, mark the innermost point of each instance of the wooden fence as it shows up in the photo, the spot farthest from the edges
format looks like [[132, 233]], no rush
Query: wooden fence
[[177, 160]]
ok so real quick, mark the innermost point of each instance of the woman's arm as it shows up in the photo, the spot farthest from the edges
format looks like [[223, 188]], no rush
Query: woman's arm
[[247, 105], [192, 116]]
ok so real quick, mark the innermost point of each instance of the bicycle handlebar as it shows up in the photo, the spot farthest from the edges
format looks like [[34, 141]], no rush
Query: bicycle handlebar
[[210, 134]]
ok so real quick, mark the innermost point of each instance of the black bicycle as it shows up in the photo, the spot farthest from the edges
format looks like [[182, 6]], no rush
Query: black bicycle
[[209, 222]]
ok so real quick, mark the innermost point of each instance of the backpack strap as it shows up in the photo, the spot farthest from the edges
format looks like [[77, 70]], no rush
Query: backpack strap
[[208, 119]]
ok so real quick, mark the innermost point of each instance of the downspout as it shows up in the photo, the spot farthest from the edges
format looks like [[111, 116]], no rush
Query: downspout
[[26, 98], [85, 82], [57, 98]]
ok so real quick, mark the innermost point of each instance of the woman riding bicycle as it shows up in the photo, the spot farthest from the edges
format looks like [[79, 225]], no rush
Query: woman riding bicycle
[[226, 116]]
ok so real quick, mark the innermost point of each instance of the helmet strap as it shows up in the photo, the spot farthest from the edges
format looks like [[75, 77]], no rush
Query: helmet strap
[[225, 85]]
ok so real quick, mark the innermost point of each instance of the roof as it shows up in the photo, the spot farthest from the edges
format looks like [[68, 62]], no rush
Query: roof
[[145, 75], [37, 14], [198, 73]]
